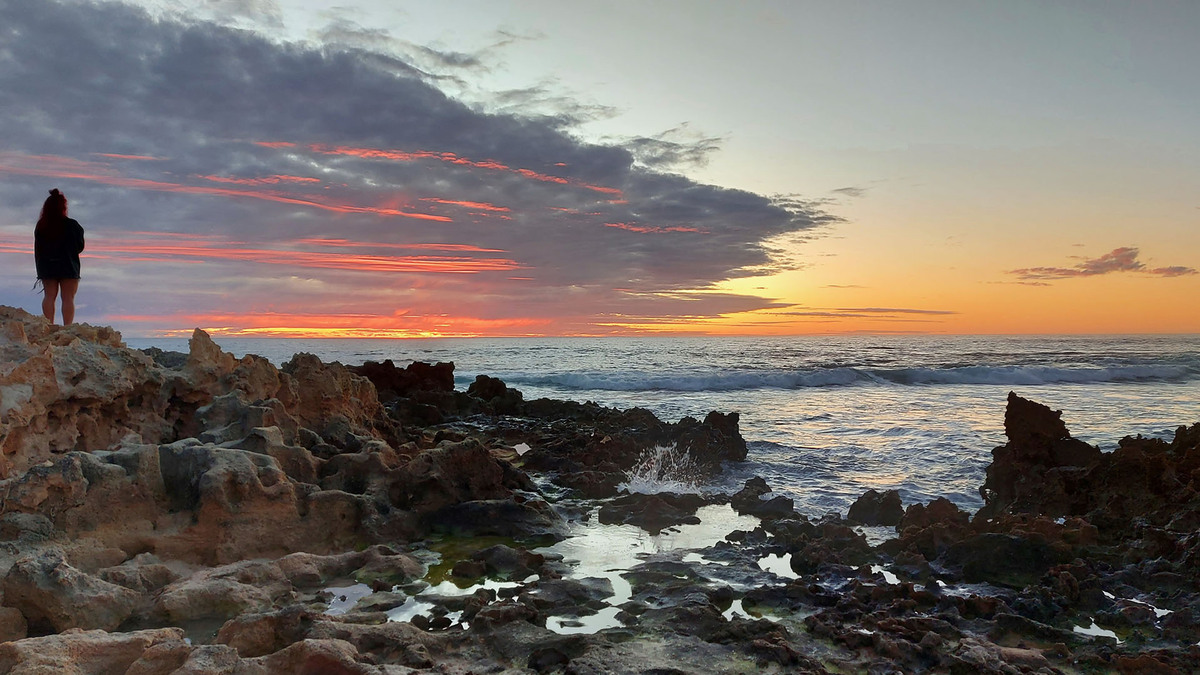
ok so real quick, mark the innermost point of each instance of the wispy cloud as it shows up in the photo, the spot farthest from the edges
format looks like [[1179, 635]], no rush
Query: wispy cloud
[[678, 148], [883, 313], [1123, 259], [850, 191]]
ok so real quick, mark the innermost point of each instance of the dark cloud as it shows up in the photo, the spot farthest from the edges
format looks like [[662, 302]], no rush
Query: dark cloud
[[1123, 259], [159, 128]]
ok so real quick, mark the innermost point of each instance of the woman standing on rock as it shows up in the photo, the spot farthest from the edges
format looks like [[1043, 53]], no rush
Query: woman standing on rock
[[57, 242]]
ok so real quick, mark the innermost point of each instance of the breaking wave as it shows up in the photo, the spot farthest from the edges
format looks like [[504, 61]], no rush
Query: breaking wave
[[663, 468], [847, 376]]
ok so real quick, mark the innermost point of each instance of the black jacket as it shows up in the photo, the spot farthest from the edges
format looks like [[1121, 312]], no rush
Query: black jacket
[[56, 249]]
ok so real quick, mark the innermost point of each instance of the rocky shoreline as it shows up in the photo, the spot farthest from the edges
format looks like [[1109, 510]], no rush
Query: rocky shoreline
[[196, 513]]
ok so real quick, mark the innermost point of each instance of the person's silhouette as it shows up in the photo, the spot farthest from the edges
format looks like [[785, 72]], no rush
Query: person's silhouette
[[57, 242]]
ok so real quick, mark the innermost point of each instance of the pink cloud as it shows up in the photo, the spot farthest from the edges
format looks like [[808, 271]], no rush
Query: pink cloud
[[1124, 259]]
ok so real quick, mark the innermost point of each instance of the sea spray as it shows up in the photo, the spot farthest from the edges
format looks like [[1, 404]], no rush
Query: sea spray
[[663, 468]]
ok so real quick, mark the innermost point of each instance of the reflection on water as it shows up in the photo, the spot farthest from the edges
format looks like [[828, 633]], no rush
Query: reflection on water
[[888, 577], [604, 551], [345, 597], [1096, 631], [779, 565], [593, 549]]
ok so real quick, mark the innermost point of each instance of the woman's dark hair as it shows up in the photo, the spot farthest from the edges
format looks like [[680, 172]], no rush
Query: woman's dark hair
[[54, 210]]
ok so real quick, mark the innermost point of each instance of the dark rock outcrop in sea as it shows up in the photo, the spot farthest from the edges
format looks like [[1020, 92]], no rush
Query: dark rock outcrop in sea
[[196, 513]]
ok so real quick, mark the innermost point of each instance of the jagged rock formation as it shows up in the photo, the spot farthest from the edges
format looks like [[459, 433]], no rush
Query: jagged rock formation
[[1042, 470]]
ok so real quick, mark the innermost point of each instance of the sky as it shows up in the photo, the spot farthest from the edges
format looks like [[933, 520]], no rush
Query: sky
[[490, 168]]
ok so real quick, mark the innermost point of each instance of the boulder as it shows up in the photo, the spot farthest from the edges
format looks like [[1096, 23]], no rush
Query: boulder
[[499, 399], [877, 508], [261, 633], [507, 562], [144, 573], [223, 592], [452, 474], [143, 652], [392, 382], [54, 596], [73, 387], [328, 657], [341, 406], [1037, 469], [1003, 559], [653, 512]]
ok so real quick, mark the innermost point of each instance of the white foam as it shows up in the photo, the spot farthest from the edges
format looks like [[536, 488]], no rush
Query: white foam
[[733, 380], [663, 468]]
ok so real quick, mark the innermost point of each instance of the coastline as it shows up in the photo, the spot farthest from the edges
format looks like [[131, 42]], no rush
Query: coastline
[[152, 498]]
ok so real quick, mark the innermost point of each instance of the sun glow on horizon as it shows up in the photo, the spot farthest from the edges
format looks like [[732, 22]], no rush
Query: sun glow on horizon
[[399, 325]]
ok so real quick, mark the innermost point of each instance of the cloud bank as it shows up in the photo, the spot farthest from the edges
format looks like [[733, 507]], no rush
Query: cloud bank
[[232, 181]]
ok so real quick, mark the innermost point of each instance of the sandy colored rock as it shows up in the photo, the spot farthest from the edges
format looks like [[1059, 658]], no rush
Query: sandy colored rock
[[223, 592], [12, 624], [84, 652], [53, 596], [67, 388]]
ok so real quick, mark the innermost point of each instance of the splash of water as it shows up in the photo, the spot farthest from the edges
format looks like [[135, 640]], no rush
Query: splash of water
[[663, 468]]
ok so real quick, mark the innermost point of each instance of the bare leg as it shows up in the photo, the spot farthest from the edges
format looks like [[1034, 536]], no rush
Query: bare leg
[[49, 295], [69, 286]]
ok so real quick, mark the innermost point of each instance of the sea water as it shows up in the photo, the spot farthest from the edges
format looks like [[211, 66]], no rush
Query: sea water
[[826, 418]]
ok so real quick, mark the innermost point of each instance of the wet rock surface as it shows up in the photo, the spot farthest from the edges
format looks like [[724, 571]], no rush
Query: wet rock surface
[[197, 513]]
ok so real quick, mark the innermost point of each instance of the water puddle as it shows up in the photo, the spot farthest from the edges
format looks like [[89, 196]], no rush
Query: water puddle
[[1158, 613], [701, 560], [779, 565], [594, 550], [591, 550], [1096, 631], [593, 623], [345, 597], [876, 534], [736, 609], [888, 577]]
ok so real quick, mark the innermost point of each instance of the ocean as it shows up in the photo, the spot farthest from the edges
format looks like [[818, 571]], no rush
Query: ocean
[[826, 418]]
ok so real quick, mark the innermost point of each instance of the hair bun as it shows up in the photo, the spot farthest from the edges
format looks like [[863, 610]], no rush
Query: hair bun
[[54, 192]]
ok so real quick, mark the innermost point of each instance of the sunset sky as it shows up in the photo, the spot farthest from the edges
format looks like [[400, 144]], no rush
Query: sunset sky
[[461, 168]]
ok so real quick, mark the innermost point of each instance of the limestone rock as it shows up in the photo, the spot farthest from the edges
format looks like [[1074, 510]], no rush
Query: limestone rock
[[67, 388], [53, 596], [92, 651], [451, 474], [223, 592], [13, 625], [337, 404], [259, 634]]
